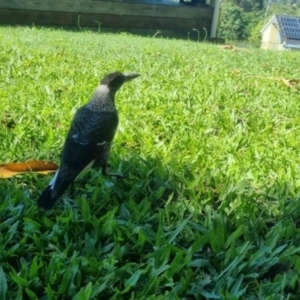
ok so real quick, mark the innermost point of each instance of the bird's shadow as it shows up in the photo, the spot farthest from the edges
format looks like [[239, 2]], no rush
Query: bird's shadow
[[152, 194], [144, 180]]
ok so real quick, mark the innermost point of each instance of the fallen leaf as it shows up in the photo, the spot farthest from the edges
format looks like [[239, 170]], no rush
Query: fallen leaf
[[291, 83], [42, 167], [233, 48], [8, 121], [235, 72]]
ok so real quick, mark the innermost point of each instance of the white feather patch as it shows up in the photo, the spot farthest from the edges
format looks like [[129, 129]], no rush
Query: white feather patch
[[89, 165], [101, 144], [75, 137], [103, 89], [52, 182]]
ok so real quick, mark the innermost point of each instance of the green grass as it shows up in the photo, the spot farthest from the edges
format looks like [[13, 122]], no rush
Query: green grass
[[210, 209]]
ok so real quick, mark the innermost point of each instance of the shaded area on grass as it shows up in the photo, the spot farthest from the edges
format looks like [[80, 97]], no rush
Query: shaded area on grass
[[146, 236]]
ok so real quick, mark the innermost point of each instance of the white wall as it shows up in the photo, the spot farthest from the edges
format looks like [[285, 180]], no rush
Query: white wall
[[271, 38]]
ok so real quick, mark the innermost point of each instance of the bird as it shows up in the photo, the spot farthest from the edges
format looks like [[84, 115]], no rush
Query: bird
[[89, 138]]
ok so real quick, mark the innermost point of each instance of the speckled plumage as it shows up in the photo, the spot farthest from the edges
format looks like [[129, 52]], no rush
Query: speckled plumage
[[102, 100], [89, 139]]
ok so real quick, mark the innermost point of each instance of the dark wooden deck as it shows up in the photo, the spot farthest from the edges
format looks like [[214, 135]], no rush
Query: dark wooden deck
[[166, 16]]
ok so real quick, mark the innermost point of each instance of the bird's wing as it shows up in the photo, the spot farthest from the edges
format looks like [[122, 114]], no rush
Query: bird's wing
[[89, 134]]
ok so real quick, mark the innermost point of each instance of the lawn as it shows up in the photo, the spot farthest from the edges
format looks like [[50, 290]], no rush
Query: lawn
[[209, 138]]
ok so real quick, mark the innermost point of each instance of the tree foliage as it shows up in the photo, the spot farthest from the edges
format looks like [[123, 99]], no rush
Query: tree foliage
[[249, 5], [244, 19], [233, 23]]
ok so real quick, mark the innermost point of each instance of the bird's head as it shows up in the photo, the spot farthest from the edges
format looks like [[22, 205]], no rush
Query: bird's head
[[115, 80]]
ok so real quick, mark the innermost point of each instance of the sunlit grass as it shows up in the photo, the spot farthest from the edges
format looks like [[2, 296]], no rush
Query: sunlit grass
[[210, 143]]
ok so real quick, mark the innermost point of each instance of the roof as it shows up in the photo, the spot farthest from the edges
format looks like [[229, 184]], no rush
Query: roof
[[288, 28]]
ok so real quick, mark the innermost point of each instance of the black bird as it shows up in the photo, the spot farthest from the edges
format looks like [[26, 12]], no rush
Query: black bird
[[89, 138]]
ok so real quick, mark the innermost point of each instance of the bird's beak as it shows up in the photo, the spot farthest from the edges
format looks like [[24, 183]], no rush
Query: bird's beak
[[130, 76]]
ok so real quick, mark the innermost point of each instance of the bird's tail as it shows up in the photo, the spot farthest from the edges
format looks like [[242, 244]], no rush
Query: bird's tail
[[55, 189], [46, 200]]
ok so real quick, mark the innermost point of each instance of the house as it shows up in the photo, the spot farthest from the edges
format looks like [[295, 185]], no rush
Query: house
[[281, 33], [168, 17]]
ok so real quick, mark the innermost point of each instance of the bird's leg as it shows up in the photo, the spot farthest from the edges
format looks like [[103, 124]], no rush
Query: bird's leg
[[117, 175], [104, 169], [72, 190]]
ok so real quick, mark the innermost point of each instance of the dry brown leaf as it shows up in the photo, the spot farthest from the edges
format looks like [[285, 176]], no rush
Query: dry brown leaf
[[233, 48], [291, 83], [37, 166], [264, 77], [229, 47], [235, 72], [8, 121]]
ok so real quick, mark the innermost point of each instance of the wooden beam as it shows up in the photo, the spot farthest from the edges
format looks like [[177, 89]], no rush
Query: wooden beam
[[113, 8], [22, 17]]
